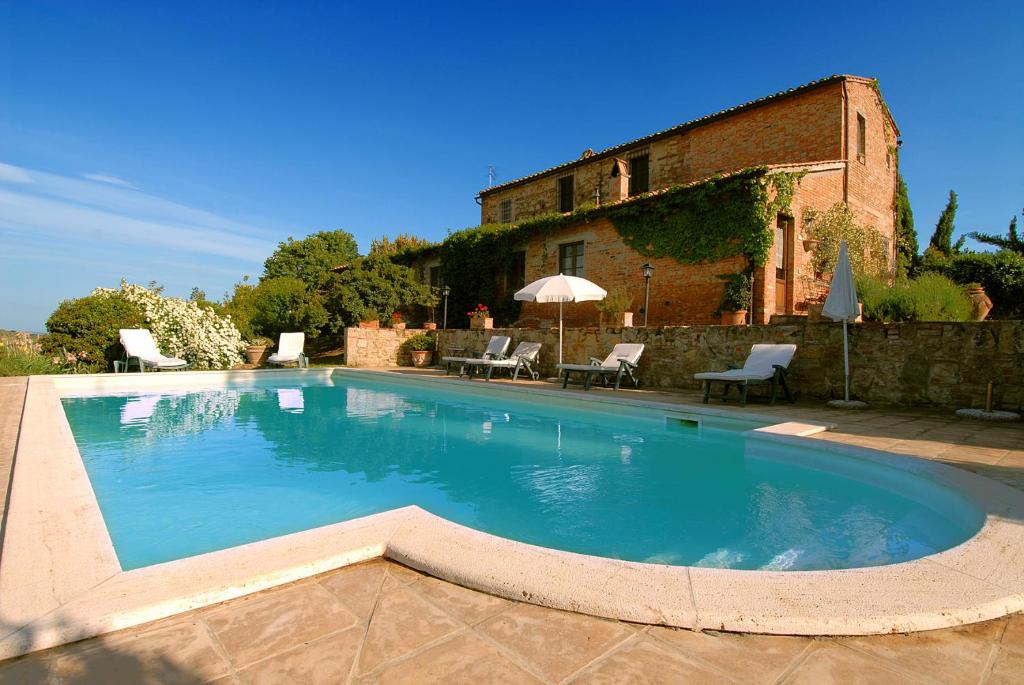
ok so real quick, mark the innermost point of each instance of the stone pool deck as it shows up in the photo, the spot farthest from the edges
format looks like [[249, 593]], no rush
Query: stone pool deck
[[382, 622]]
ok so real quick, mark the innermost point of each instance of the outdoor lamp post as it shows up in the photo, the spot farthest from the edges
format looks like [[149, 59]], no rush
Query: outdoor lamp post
[[446, 291], [648, 271]]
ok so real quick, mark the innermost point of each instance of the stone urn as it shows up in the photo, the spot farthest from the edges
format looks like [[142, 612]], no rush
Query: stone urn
[[372, 323], [980, 302], [421, 358], [814, 310], [738, 318], [481, 322], [255, 353]]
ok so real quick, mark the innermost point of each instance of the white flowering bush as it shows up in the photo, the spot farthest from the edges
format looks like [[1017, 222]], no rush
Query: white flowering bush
[[184, 329]]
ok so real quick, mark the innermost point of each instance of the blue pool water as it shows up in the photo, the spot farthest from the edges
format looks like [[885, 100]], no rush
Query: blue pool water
[[179, 474]]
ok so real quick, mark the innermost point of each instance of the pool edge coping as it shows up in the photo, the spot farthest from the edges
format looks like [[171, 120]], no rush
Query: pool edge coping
[[980, 579]]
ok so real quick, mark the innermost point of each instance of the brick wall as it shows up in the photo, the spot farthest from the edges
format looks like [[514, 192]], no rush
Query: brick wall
[[804, 127], [377, 347], [923, 364]]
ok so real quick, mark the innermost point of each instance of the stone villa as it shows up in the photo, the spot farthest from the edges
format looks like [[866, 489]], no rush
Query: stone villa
[[836, 133]]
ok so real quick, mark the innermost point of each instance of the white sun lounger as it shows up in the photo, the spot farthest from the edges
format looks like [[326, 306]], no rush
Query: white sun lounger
[[765, 364], [496, 348], [521, 359], [140, 347], [289, 351], [622, 361]]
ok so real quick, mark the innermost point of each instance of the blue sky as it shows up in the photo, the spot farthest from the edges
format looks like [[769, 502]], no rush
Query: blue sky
[[179, 142]]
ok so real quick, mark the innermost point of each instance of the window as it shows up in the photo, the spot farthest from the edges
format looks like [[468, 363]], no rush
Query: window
[[570, 259], [515, 277], [783, 233], [862, 137], [566, 191], [639, 174], [506, 211], [435, 277]]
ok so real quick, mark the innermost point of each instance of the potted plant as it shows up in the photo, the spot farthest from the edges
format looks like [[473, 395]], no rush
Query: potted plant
[[430, 326], [421, 349], [616, 306], [980, 303], [256, 349], [480, 317], [369, 319], [398, 321], [735, 299]]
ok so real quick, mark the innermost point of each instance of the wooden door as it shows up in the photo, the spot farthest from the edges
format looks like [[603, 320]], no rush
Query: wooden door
[[783, 263]]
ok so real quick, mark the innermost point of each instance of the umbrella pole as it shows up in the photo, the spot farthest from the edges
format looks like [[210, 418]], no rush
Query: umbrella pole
[[846, 361], [559, 331]]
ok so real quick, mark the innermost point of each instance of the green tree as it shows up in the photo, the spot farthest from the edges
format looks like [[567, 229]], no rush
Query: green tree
[[287, 304], [312, 258], [943, 236], [906, 236], [241, 307], [1010, 242], [375, 287]]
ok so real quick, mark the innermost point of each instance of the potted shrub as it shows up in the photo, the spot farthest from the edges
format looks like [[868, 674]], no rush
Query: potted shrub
[[369, 319], [398, 321], [615, 306], [735, 299], [421, 349], [980, 302], [480, 317], [256, 350]]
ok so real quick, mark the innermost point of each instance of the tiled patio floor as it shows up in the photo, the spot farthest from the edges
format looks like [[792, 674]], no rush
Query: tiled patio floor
[[382, 622]]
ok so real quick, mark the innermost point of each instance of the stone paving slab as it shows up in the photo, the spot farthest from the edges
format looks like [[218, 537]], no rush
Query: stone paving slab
[[380, 622]]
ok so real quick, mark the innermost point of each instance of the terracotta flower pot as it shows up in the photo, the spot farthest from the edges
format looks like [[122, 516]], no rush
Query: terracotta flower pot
[[980, 303], [734, 318], [814, 311], [627, 319], [421, 358], [478, 322], [369, 324], [430, 326], [255, 353]]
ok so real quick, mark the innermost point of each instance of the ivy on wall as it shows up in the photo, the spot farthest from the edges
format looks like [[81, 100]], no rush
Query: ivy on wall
[[705, 222]]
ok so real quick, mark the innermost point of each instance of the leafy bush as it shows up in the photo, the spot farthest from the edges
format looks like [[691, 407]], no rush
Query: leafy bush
[[929, 297], [241, 307], [287, 304], [617, 303], [88, 327], [374, 288], [867, 249], [182, 329], [1001, 274]]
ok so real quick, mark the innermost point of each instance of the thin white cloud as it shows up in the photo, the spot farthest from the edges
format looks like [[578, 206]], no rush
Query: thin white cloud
[[121, 217], [111, 179]]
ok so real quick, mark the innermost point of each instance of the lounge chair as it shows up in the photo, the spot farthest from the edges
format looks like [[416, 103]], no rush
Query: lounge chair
[[496, 348], [140, 347], [621, 362], [289, 351], [765, 364], [521, 359]]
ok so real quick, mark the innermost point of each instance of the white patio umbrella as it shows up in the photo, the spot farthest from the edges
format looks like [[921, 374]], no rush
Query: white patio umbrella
[[561, 289], [841, 305]]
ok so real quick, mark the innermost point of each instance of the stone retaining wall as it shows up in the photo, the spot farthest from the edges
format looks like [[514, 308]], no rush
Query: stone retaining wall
[[924, 364], [378, 347]]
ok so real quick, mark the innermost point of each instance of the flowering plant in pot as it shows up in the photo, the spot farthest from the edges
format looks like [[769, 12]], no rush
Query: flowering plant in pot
[[420, 348], [480, 317]]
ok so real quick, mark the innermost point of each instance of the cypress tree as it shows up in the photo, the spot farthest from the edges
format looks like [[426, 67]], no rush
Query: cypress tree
[[942, 237], [906, 236]]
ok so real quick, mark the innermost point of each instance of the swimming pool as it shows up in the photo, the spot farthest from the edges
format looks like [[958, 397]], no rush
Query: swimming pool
[[180, 473]]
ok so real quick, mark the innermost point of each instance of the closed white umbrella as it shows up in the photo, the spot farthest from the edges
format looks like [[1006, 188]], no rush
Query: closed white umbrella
[[561, 289], [841, 305]]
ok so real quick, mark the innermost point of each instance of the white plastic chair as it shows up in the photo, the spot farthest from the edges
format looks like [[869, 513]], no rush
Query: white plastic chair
[[766, 363], [140, 347], [621, 361], [290, 351], [521, 359], [496, 348]]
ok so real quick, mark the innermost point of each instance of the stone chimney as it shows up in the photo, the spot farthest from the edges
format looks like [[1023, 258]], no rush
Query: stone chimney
[[619, 181]]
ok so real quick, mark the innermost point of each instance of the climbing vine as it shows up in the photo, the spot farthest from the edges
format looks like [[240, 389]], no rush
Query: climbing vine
[[703, 222]]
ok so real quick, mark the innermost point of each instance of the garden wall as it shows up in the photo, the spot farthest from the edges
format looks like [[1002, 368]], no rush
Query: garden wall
[[377, 347], [929, 364]]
